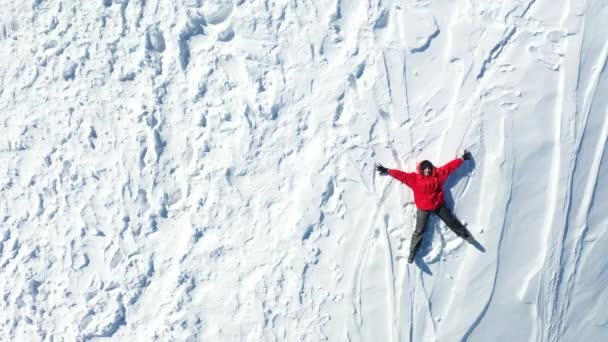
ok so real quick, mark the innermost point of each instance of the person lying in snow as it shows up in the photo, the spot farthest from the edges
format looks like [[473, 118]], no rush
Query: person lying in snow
[[427, 185]]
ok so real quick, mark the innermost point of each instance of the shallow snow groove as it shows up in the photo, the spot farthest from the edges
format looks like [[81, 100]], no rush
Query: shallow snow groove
[[204, 170]]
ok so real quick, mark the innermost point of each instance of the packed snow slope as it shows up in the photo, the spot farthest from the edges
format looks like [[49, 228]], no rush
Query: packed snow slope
[[197, 170]]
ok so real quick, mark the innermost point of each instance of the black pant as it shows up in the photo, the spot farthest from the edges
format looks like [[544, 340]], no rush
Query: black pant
[[445, 215]]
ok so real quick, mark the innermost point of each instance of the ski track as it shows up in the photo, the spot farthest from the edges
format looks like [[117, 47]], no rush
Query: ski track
[[579, 221], [362, 257], [389, 254], [397, 159], [412, 296], [471, 328], [429, 306], [553, 256], [561, 298], [555, 196], [391, 281]]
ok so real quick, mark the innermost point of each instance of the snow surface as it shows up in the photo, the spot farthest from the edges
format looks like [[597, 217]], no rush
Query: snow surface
[[197, 170]]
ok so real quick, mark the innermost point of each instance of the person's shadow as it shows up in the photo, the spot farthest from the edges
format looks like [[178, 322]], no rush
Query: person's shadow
[[463, 171], [479, 246], [422, 265]]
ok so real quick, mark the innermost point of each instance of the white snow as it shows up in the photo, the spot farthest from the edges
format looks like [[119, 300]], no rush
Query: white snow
[[203, 170]]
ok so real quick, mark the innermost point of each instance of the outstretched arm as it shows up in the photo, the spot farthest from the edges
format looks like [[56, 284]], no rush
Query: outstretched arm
[[448, 168], [406, 178]]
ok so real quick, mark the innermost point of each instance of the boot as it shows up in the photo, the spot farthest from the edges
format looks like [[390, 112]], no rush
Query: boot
[[410, 259]]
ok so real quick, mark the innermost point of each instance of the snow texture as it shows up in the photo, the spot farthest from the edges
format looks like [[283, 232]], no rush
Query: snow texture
[[196, 170]]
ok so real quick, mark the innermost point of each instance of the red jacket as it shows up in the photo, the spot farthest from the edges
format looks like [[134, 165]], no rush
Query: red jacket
[[428, 190]]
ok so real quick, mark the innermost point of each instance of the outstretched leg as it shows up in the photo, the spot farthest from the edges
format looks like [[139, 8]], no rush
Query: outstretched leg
[[421, 218], [454, 224]]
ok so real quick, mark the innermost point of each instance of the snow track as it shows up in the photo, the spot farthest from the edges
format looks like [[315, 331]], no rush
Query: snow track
[[204, 170]]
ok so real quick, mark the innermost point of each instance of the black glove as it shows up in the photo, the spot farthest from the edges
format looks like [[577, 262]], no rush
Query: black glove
[[381, 169], [467, 155]]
